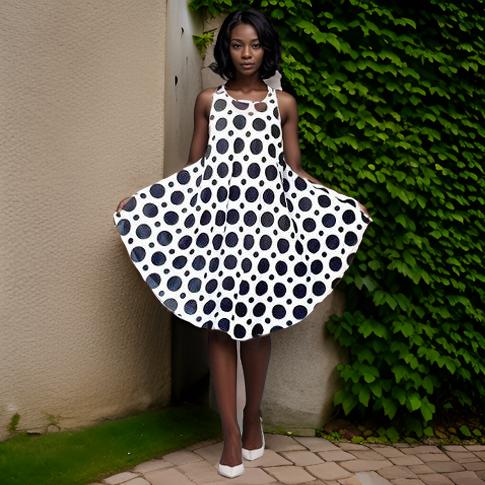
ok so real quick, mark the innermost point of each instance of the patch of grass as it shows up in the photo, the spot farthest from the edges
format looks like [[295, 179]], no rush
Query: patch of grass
[[78, 457]]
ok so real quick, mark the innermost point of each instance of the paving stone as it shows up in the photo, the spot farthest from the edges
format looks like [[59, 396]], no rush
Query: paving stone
[[181, 457], [137, 481], [352, 446], [270, 458], [120, 478], [211, 453], [336, 455], [475, 466], [150, 465], [475, 447], [421, 469], [462, 457], [433, 456], [480, 454], [421, 449], [395, 471], [435, 479], [168, 475], [407, 481], [200, 471], [481, 474], [316, 444], [272, 483], [315, 481], [389, 451], [278, 442], [445, 466], [349, 481], [465, 478], [406, 460], [328, 471], [365, 465], [372, 478], [402, 445], [367, 455], [202, 444], [303, 458], [251, 476], [454, 448], [290, 474]]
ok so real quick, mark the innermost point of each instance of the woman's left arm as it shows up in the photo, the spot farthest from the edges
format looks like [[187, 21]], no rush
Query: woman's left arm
[[291, 146], [289, 126]]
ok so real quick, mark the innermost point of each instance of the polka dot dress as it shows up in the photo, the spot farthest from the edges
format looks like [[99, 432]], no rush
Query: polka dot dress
[[236, 241]]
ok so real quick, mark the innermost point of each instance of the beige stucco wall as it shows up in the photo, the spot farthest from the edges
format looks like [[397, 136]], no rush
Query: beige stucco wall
[[82, 90]]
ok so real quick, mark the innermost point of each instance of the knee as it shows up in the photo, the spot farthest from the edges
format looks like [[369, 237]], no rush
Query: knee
[[218, 335]]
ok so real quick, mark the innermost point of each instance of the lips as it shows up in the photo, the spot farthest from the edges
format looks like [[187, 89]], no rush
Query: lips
[[247, 65]]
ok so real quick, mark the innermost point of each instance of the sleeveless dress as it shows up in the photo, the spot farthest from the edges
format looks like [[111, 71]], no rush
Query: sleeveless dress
[[237, 241]]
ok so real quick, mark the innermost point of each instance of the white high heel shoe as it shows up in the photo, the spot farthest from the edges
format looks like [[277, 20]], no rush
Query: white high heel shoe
[[230, 471], [258, 452]]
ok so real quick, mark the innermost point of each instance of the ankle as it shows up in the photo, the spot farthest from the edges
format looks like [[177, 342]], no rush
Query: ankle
[[252, 414], [231, 431]]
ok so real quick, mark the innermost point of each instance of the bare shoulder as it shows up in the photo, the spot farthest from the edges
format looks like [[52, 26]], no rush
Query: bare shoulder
[[207, 93], [204, 99], [286, 102], [285, 96]]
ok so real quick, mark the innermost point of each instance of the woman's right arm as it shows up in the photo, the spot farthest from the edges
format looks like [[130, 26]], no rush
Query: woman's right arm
[[200, 136]]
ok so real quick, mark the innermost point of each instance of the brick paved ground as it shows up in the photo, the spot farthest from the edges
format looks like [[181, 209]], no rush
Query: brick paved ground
[[316, 461]]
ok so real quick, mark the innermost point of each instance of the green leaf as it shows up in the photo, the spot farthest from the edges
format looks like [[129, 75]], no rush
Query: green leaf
[[413, 401], [364, 395], [389, 407], [392, 434]]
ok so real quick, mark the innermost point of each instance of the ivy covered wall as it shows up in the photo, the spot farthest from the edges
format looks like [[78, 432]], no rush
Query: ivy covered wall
[[391, 104]]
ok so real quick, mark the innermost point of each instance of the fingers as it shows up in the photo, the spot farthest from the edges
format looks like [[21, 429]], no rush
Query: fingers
[[122, 203], [364, 210]]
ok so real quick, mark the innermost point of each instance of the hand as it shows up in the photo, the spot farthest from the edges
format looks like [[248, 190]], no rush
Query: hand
[[122, 203], [364, 210]]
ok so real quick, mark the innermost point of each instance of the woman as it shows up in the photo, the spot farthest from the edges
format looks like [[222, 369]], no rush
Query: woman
[[268, 239]]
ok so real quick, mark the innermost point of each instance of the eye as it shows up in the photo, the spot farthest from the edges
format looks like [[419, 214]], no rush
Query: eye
[[256, 46]]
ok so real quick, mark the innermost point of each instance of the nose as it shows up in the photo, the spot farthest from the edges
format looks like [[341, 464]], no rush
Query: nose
[[246, 52]]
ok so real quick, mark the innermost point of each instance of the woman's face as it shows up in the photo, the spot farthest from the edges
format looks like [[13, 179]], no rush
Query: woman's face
[[245, 50]]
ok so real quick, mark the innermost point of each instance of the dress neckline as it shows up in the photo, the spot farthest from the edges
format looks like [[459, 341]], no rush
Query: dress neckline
[[224, 90]]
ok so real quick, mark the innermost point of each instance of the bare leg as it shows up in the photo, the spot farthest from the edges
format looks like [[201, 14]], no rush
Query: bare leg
[[255, 356], [223, 367]]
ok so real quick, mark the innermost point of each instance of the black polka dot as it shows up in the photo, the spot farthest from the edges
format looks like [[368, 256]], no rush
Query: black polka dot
[[221, 123], [222, 145], [329, 220], [348, 216], [220, 104], [256, 146], [238, 145], [259, 124], [239, 121]]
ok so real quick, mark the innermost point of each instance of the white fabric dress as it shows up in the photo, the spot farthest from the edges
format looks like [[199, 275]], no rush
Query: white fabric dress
[[236, 241]]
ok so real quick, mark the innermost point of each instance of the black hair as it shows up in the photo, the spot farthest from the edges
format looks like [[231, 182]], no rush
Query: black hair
[[267, 35]]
